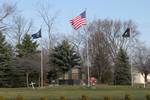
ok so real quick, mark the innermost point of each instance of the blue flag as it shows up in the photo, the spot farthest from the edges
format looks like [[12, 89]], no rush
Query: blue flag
[[37, 35]]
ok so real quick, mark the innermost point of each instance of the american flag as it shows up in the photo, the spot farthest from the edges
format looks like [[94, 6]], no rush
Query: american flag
[[78, 21]]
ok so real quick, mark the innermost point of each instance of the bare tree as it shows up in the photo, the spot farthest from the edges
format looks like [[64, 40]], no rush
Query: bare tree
[[113, 31], [20, 27], [6, 10], [77, 39], [100, 60], [104, 41], [49, 20], [142, 60]]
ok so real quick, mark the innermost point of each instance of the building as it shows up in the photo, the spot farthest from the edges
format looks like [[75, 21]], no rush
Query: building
[[138, 78]]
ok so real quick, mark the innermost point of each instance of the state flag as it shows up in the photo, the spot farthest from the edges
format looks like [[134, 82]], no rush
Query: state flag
[[37, 35]]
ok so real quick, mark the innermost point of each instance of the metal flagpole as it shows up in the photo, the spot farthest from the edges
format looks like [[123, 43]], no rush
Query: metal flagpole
[[131, 70], [41, 64], [130, 55], [88, 61], [88, 67], [81, 21], [131, 61]]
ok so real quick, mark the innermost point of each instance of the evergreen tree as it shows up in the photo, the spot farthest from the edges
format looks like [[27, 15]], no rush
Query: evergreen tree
[[64, 57], [27, 47], [26, 63], [18, 74], [6, 56], [122, 74]]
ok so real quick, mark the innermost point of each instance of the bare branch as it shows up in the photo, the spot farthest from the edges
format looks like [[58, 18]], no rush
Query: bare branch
[[6, 10], [20, 27]]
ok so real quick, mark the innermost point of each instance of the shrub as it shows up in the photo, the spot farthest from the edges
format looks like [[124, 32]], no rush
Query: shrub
[[148, 97], [19, 97], [43, 98], [63, 98], [127, 97], [84, 97], [107, 98], [2, 98]]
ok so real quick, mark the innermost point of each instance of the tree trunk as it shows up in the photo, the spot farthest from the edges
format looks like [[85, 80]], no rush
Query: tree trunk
[[145, 77], [70, 73], [39, 81], [100, 77], [27, 79], [63, 76]]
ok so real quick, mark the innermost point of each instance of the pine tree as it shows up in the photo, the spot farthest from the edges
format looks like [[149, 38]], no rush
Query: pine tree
[[122, 74], [6, 59], [64, 57], [27, 47], [26, 63], [17, 75]]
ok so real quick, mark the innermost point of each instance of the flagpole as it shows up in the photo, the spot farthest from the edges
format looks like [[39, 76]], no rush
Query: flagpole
[[130, 59], [88, 61], [131, 66], [77, 26], [131, 71], [88, 67], [130, 54], [41, 64]]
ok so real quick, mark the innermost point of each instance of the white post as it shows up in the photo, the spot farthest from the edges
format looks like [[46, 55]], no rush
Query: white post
[[41, 64]]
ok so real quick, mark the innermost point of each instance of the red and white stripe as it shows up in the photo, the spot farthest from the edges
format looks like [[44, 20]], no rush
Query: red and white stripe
[[77, 22]]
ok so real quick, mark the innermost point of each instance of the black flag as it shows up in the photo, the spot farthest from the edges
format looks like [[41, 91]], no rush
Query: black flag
[[126, 33]]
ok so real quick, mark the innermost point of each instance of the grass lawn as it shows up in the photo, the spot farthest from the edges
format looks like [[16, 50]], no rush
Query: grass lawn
[[75, 92]]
